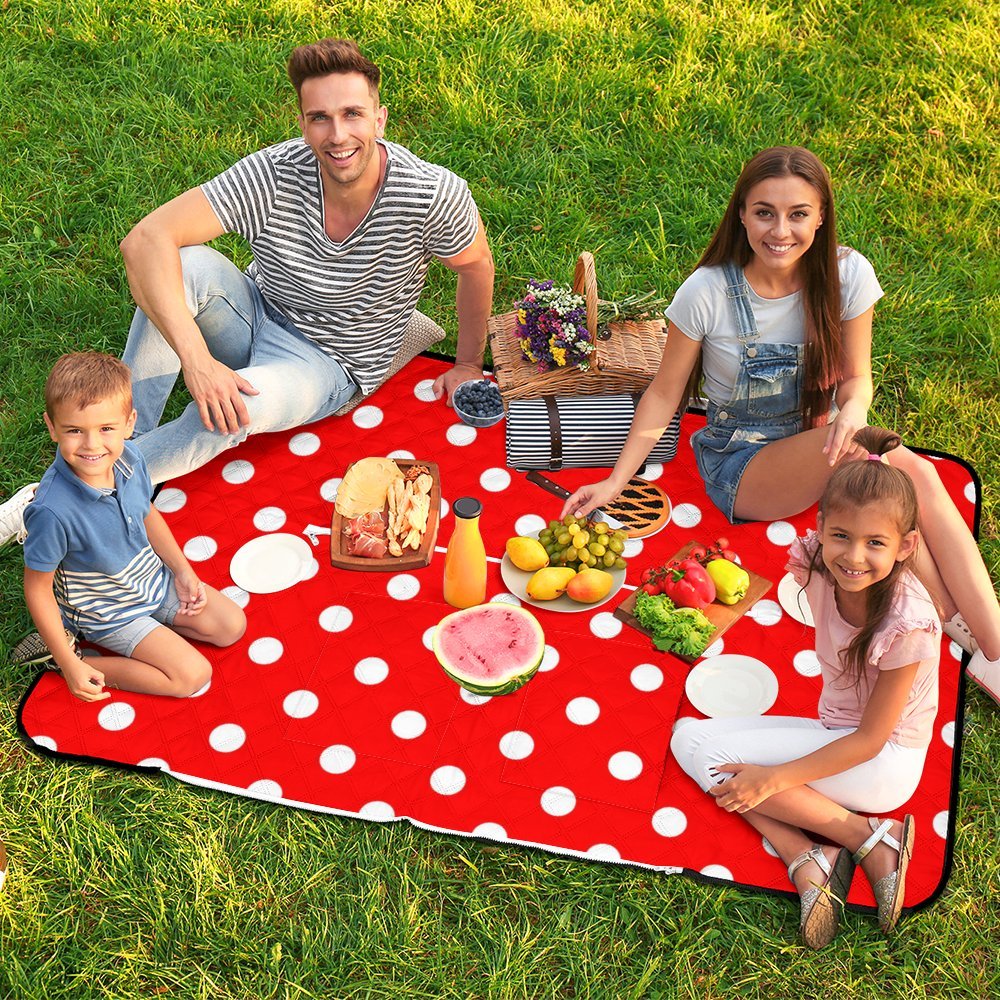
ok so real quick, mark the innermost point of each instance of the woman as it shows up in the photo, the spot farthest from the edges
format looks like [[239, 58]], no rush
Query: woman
[[777, 319]]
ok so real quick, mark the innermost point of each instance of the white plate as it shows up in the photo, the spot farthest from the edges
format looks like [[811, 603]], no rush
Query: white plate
[[731, 684], [270, 563], [793, 599], [517, 583]]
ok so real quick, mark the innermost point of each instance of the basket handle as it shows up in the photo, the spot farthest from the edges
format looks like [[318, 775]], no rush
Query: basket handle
[[585, 284]]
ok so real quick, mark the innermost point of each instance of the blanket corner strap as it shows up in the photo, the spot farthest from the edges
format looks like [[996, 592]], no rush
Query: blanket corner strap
[[555, 427]]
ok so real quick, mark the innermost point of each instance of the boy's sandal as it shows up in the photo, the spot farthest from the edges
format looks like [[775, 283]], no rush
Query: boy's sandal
[[31, 651], [821, 904], [890, 888]]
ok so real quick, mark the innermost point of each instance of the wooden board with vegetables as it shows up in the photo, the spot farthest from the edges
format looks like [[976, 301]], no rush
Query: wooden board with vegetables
[[680, 621]]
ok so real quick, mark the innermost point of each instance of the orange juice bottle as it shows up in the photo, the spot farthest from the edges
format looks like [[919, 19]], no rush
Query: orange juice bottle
[[465, 560]]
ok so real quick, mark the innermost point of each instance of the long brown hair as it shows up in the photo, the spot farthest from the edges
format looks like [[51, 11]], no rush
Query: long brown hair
[[859, 484], [821, 275]]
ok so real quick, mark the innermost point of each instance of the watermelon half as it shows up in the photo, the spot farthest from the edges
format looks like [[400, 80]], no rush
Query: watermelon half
[[491, 648]]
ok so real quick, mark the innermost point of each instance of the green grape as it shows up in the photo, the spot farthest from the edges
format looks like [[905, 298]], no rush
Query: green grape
[[597, 548], [579, 539], [586, 537], [616, 544], [545, 537], [609, 559], [574, 529], [554, 526], [582, 521], [601, 528], [619, 563], [568, 520]]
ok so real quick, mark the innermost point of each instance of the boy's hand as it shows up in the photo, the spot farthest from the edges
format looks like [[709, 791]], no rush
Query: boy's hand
[[192, 593], [84, 681]]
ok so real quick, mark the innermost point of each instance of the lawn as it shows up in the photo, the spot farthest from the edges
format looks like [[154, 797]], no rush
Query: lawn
[[615, 127]]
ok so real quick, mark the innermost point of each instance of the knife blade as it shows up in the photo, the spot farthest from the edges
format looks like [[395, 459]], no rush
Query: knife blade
[[534, 476]]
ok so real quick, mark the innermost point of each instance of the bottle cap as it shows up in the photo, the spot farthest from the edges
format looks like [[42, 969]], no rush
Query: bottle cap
[[467, 507]]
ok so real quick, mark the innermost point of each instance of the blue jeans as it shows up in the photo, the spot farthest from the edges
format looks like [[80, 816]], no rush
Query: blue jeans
[[297, 382]]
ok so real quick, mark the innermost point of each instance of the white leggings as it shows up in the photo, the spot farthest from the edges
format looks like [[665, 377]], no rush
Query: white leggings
[[881, 784]]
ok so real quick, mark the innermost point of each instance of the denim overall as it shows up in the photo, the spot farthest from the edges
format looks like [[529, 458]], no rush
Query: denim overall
[[764, 405]]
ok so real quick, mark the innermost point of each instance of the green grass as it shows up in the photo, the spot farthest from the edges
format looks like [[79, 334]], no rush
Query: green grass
[[617, 127]]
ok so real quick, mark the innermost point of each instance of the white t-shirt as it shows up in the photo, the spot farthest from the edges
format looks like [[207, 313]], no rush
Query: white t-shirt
[[352, 298], [701, 310]]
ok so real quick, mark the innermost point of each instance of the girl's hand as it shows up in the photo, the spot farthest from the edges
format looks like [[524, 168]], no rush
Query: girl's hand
[[840, 437], [586, 498], [192, 593], [750, 785], [84, 681]]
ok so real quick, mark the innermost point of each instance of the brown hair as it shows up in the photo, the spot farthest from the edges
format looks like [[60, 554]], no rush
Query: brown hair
[[821, 275], [85, 378], [860, 484], [331, 55]]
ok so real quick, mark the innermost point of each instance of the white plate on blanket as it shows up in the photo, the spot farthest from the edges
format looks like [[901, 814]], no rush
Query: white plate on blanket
[[793, 599], [270, 563], [731, 684]]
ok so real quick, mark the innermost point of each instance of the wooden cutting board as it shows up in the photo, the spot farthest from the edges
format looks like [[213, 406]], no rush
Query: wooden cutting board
[[722, 616], [411, 558]]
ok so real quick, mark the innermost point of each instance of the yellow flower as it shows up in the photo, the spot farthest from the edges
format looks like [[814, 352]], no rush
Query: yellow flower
[[521, 316]]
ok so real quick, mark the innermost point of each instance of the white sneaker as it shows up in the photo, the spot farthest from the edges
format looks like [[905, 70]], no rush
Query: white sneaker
[[12, 515], [960, 633], [986, 673]]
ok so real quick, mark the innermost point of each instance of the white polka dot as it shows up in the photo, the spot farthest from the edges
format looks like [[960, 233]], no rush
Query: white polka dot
[[309, 571], [495, 480], [300, 704], [956, 651], [715, 648], [371, 670], [424, 390], [269, 519], [157, 762], [633, 547], [444, 508], [717, 871], [460, 435], [516, 745], [682, 721], [328, 491], [409, 725], [403, 586], [604, 625], [970, 492], [558, 801], [200, 548], [625, 765], [768, 849], [305, 443], [603, 852], [940, 824], [169, 500], [367, 417], [781, 533], [338, 759], [653, 471], [44, 741], [118, 715], [475, 699], [685, 515], [237, 595], [583, 711], [227, 737], [202, 690], [264, 788], [806, 662], [492, 831], [237, 472], [669, 822], [529, 524], [505, 597], [335, 618], [402, 454], [549, 660], [448, 780], [766, 613], [380, 812], [948, 734], [646, 677], [266, 650], [428, 637]]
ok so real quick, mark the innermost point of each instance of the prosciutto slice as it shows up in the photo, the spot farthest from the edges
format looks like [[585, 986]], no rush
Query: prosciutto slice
[[366, 535]]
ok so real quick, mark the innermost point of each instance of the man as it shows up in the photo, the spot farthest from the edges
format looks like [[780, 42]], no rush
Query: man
[[343, 225]]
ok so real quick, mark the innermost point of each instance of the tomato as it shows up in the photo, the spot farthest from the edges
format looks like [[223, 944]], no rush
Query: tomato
[[652, 589], [699, 552], [722, 543]]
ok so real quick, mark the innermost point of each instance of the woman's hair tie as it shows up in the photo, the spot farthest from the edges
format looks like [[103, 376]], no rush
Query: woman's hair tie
[[872, 457]]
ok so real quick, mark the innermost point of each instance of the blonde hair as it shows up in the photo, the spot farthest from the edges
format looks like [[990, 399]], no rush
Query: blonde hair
[[85, 378]]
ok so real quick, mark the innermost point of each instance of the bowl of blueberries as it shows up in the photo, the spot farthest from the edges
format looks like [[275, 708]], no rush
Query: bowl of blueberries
[[478, 403]]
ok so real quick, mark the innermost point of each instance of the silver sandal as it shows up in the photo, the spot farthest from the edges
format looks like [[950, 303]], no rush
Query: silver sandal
[[890, 888], [821, 905]]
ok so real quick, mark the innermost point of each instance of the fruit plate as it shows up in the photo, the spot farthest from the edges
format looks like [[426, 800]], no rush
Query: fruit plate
[[516, 581], [722, 616], [411, 558]]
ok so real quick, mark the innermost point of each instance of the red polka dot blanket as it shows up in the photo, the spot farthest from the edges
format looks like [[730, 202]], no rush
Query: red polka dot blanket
[[333, 701]]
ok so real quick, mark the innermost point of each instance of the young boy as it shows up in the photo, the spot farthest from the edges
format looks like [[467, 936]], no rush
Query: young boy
[[100, 559]]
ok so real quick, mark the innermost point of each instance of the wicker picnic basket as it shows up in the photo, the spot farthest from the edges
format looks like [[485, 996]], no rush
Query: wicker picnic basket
[[625, 360]]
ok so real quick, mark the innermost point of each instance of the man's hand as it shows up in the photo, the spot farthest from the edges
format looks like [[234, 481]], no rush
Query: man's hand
[[218, 391], [84, 681], [446, 384]]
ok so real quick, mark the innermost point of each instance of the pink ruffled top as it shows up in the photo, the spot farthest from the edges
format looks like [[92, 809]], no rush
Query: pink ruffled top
[[910, 633]]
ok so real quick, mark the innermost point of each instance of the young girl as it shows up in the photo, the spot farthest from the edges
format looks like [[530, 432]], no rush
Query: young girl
[[777, 318], [878, 642]]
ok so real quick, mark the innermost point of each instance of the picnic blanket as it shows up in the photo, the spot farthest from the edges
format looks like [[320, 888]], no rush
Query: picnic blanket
[[333, 701]]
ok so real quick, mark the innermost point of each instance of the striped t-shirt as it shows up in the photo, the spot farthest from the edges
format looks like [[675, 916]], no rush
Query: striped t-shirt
[[353, 298]]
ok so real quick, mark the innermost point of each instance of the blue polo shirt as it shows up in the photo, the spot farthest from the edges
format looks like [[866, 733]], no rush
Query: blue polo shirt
[[107, 573]]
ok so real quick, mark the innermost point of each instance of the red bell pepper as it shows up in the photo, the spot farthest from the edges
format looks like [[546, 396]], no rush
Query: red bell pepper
[[688, 584]]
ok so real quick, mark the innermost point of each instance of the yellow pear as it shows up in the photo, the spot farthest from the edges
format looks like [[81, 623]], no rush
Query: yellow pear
[[589, 585], [547, 584], [527, 553]]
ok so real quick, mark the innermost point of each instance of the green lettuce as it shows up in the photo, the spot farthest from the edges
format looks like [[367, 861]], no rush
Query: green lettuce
[[675, 630]]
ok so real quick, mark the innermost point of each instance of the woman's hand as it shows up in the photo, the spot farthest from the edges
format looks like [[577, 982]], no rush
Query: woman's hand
[[588, 497], [750, 785], [840, 436]]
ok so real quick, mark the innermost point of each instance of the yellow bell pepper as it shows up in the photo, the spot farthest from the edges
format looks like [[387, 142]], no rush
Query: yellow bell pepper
[[731, 581]]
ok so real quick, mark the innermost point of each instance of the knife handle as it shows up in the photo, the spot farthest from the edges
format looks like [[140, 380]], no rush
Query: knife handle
[[534, 476]]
